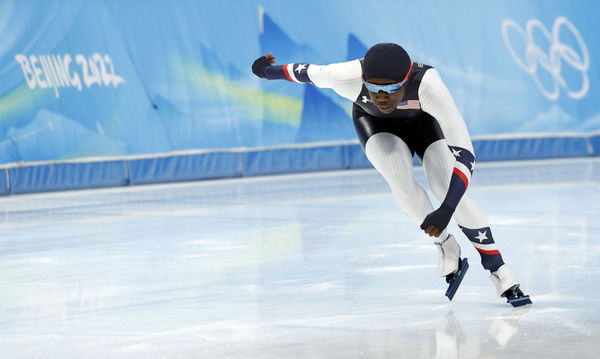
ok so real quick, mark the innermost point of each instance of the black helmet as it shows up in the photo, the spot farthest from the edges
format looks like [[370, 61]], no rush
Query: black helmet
[[386, 61]]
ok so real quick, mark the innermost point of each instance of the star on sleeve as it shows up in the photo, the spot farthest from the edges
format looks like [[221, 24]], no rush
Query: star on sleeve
[[481, 236], [300, 68]]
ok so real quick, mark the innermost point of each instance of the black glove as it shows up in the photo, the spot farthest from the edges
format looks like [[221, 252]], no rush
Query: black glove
[[438, 218], [259, 66]]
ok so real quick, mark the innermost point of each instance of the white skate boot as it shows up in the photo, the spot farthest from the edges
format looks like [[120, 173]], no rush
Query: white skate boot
[[507, 286], [449, 255], [450, 265]]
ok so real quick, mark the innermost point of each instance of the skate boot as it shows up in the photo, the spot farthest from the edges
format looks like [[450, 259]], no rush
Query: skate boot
[[508, 287], [450, 264]]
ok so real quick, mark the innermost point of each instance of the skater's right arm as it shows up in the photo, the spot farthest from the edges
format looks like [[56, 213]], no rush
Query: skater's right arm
[[344, 78]]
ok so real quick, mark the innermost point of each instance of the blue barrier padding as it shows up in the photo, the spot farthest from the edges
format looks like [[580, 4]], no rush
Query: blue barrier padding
[[531, 148], [354, 157], [185, 167], [595, 145], [291, 160], [254, 162], [3, 182], [67, 176]]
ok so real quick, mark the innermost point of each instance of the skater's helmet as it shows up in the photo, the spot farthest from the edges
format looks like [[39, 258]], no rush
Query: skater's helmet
[[386, 61]]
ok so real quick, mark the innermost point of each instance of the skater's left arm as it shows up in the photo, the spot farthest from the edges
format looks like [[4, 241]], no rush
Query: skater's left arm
[[437, 101]]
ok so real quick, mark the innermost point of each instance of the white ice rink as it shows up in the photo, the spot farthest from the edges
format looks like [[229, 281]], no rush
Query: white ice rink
[[320, 265]]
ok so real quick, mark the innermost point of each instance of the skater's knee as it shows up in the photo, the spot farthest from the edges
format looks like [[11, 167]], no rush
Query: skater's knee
[[404, 198], [439, 187], [469, 214]]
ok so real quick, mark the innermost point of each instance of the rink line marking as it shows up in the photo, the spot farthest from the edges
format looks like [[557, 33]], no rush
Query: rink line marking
[[392, 269], [518, 136]]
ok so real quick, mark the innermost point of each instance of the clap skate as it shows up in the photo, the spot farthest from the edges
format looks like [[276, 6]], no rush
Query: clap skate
[[450, 264], [516, 298], [456, 278], [508, 287]]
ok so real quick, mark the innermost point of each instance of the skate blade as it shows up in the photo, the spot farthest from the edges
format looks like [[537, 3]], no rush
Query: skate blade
[[519, 301], [455, 282]]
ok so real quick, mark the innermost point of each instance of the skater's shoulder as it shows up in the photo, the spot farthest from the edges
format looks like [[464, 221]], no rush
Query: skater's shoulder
[[429, 77], [345, 71]]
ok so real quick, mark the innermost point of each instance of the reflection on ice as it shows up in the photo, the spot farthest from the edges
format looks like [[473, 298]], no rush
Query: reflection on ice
[[504, 327]]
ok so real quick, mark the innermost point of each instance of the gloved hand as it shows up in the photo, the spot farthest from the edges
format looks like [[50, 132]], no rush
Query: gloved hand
[[437, 221], [260, 64]]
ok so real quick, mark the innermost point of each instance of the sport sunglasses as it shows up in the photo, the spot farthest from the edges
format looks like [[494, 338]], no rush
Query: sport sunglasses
[[391, 88]]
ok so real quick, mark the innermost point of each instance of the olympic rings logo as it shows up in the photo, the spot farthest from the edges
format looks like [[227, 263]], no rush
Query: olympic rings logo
[[552, 62]]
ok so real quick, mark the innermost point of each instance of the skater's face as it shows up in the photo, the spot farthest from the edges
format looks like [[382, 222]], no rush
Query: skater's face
[[384, 101]]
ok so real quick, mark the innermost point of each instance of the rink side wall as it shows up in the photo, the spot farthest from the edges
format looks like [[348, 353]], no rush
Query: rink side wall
[[109, 93], [202, 165]]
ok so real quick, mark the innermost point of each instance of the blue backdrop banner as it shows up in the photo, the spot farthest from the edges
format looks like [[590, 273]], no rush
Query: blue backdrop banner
[[93, 78]]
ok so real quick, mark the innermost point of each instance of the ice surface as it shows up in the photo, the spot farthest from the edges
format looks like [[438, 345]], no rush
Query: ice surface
[[320, 265]]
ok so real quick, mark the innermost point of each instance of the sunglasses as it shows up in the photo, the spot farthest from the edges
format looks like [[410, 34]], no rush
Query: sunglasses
[[391, 88]]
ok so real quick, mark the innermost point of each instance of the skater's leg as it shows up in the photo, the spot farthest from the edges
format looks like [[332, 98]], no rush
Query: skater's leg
[[393, 160], [438, 162], [389, 146], [473, 222]]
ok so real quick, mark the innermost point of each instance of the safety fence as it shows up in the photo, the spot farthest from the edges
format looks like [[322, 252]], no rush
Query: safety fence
[[212, 164]]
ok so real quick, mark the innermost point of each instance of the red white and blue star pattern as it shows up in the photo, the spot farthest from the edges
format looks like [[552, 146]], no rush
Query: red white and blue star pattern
[[291, 72], [483, 241], [465, 163], [461, 175], [296, 72]]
